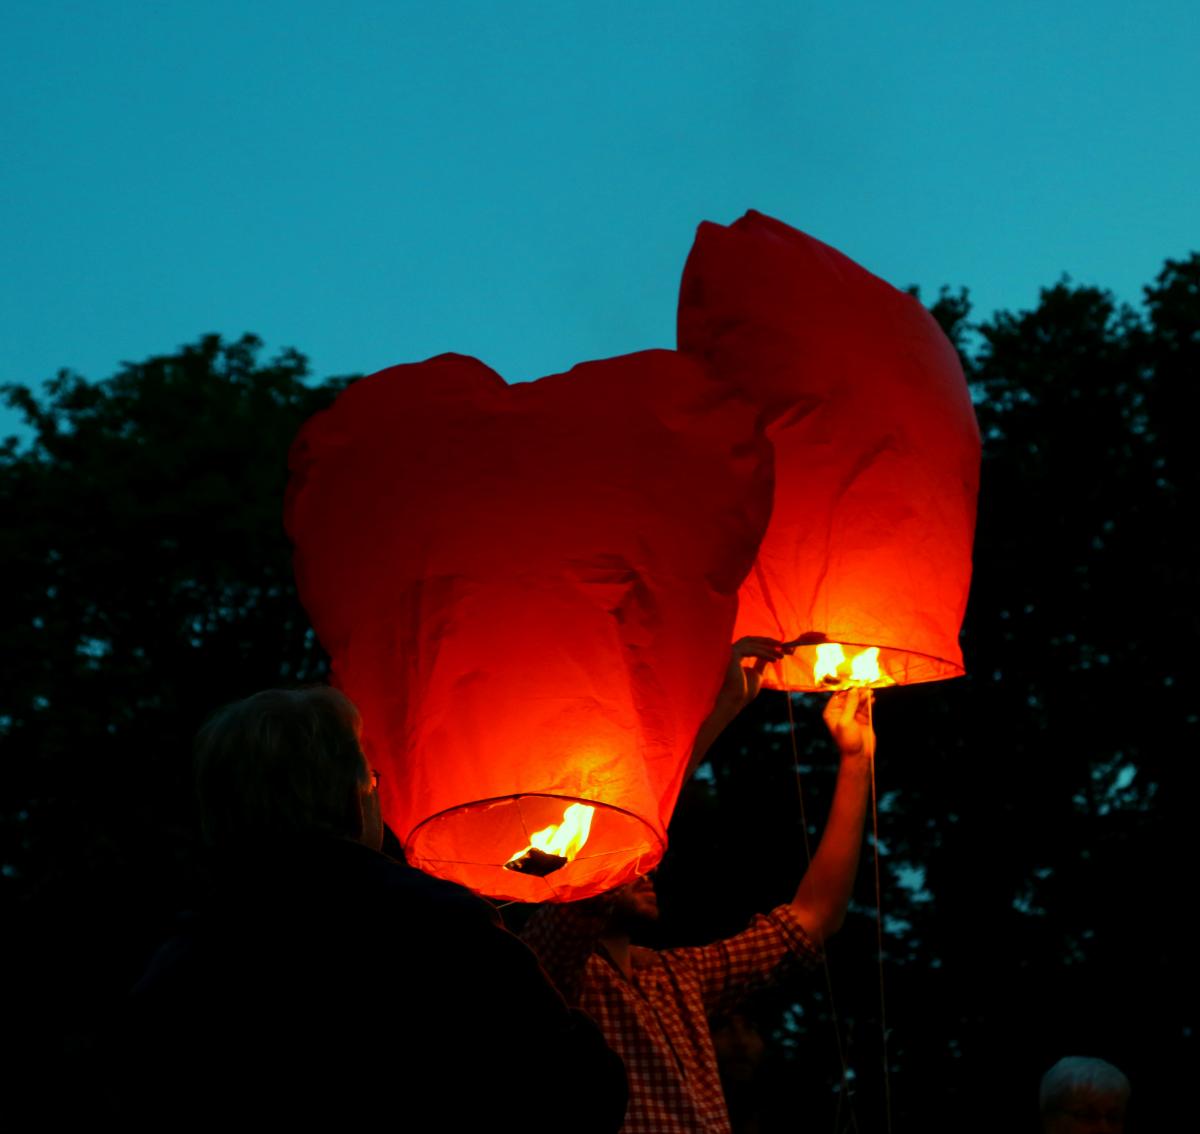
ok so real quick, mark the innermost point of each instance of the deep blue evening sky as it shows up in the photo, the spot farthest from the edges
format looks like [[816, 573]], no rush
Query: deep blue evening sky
[[378, 182]]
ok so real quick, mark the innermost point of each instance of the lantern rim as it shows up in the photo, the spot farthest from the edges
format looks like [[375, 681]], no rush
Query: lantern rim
[[531, 795], [583, 876], [938, 668]]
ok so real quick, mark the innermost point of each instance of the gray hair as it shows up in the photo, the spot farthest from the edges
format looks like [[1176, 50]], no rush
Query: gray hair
[[280, 764], [1075, 1073]]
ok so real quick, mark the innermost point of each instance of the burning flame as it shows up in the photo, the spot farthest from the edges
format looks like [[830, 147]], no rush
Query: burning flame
[[562, 840], [833, 670]]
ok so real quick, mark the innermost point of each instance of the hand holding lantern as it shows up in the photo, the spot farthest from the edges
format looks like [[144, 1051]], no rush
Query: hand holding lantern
[[848, 718], [742, 682], [740, 687]]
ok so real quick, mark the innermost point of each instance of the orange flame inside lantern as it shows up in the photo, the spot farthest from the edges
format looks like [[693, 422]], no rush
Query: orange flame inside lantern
[[833, 669], [553, 847]]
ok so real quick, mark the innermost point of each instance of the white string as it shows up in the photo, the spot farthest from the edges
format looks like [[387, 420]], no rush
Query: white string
[[887, 1078], [844, 1090]]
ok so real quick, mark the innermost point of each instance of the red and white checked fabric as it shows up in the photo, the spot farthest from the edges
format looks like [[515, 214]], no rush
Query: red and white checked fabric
[[658, 1021]]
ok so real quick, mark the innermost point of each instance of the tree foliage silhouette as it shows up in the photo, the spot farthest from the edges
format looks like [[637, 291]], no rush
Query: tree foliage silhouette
[[148, 581]]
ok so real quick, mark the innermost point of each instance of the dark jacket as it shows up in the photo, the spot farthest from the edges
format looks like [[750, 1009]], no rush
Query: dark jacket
[[328, 984]]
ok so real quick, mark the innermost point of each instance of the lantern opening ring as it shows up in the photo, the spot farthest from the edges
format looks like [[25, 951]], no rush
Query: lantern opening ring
[[597, 803]]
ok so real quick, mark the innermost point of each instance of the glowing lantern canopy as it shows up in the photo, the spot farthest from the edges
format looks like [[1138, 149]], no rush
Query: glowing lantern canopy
[[529, 591], [868, 556]]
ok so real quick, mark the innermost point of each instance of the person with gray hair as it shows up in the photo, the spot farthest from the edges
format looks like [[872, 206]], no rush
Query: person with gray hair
[[285, 764], [1083, 1095], [326, 985]]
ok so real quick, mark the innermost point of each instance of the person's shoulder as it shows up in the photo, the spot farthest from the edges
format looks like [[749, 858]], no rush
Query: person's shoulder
[[403, 891], [398, 875], [437, 893], [351, 867], [337, 887]]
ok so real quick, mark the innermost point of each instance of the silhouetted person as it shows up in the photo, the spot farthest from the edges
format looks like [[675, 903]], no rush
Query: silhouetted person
[[327, 985], [1080, 1095], [652, 1005]]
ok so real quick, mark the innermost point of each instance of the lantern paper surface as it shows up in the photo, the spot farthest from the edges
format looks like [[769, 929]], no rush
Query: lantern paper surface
[[877, 448], [529, 591]]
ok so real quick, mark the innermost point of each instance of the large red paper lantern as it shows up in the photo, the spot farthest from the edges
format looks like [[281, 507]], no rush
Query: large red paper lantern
[[529, 591], [877, 452]]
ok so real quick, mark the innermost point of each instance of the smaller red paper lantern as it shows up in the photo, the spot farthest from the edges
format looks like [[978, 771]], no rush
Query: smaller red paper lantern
[[529, 591], [877, 454]]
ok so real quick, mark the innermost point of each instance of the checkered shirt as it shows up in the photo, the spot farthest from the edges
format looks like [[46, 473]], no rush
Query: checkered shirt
[[657, 1021]]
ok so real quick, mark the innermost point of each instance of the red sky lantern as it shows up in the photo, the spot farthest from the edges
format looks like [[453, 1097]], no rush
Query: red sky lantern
[[529, 591], [868, 555]]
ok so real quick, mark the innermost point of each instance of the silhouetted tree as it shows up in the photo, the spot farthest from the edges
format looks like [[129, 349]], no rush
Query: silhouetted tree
[[147, 581]]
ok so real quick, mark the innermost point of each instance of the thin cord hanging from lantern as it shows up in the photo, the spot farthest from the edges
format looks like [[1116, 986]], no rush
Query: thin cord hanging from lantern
[[844, 1092], [887, 1080]]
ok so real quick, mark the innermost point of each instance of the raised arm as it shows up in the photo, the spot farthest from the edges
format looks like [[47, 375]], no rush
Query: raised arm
[[824, 892], [743, 679]]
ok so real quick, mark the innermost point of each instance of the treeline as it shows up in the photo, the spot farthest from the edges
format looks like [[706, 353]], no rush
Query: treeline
[[1034, 817]]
